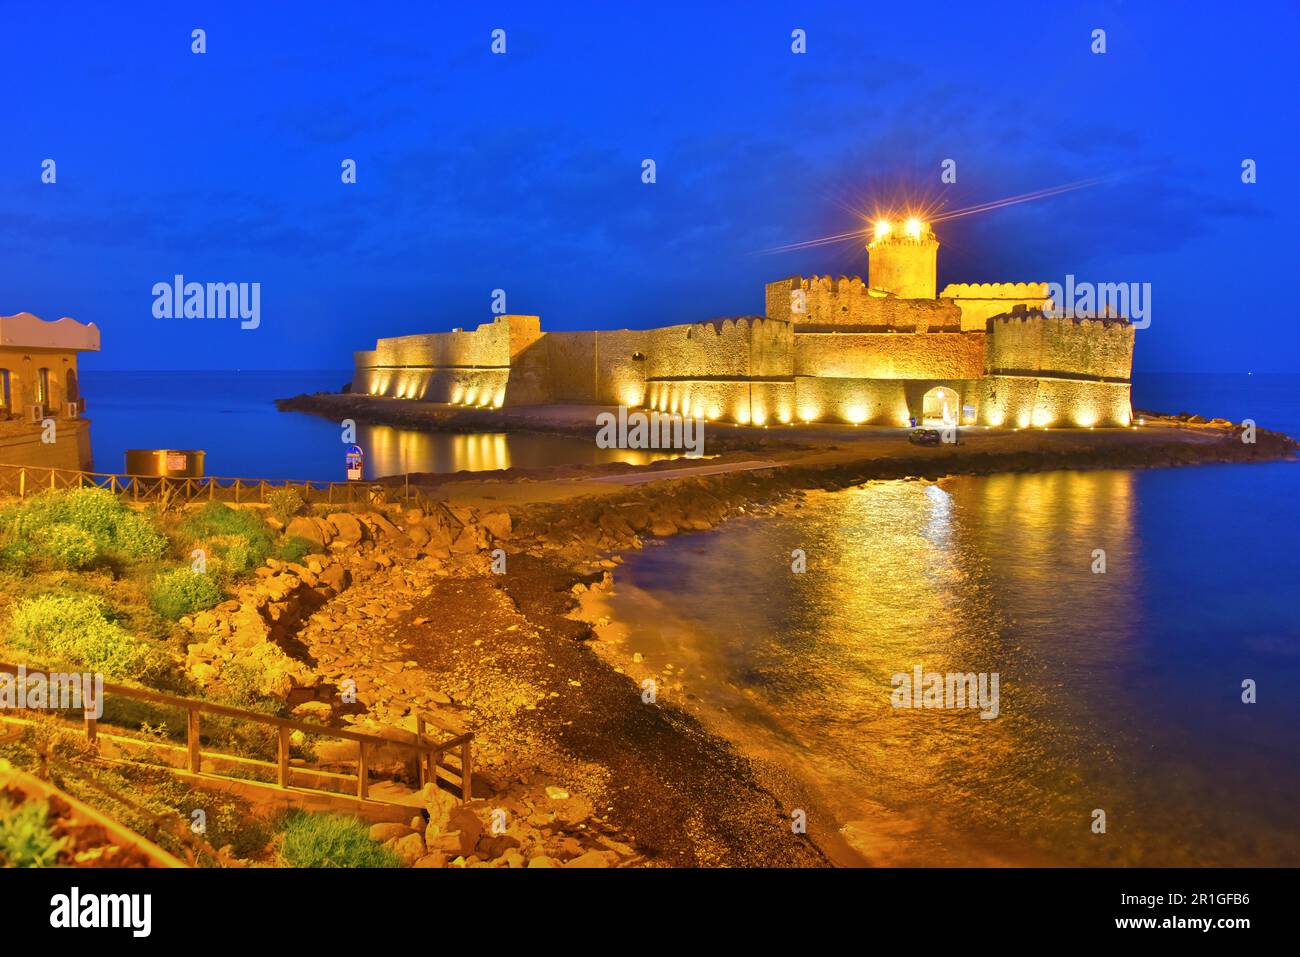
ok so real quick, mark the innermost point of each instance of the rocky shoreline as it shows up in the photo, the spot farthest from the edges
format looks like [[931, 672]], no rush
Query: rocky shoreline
[[571, 765]]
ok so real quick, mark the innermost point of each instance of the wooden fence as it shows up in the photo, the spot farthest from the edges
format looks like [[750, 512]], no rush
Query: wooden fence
[[24, 480], [428, 753]]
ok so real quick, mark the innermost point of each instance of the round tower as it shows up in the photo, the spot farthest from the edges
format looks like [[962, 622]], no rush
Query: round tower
[[903, 257]]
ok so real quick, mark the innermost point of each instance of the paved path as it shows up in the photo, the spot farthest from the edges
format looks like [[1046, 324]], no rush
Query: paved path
[[641, 478]]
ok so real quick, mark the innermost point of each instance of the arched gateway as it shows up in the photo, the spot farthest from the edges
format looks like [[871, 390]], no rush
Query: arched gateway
[[940, 407]]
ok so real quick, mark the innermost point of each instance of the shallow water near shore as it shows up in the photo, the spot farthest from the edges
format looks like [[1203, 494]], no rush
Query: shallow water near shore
[[1119, 691]]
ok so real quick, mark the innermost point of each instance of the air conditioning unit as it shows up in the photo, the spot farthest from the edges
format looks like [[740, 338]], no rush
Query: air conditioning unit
[[72, 410], [36, 413]]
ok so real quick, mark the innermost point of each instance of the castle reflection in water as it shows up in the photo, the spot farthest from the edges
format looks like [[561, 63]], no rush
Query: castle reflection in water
[[391, 451]]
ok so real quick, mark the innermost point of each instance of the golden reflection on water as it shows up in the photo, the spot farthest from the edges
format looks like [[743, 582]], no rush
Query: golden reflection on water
[[391, 451], [947, 577], [971, 574]]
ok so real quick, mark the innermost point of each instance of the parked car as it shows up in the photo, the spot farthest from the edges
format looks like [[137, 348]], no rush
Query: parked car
[[924, 437]]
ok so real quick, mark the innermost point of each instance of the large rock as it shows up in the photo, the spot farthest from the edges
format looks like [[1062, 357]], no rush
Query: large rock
[[336, 576], [409, 849], [636, 514], [440, 806], [662, 528], [350, 530], [592, 859], [382, 525], [470, 828], [471, 539], [307, 529], [615, 525], [381, 833], [498, 523]]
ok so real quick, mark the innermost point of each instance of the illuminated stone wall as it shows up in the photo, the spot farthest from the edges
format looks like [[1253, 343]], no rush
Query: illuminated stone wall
[[23, 444], [470, 367], [887, 355], [596, 367], [734, 369], [846, 304], [981, 301], [891, 402], [1043, 372], [1029, 341], [903, 265], [1042, 402]]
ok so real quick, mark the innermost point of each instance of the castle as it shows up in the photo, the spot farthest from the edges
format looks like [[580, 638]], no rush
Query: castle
[[882, 352]]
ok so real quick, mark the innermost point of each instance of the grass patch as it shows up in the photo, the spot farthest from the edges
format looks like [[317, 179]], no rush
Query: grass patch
[[239, 538], [66, 546], [26, 839], [331, 840], [81, 632], [183, 591], [73, 529], [295, 549]]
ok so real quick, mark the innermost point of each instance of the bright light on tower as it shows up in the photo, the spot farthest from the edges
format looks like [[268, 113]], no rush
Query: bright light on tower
[[882, 228], [913, 227]]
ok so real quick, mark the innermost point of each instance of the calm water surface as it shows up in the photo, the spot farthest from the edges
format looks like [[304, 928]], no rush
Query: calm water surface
[[232, 415], [1119, 691]]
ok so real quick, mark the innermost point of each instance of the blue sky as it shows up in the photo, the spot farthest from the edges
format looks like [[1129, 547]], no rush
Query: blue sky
[[523, 172]]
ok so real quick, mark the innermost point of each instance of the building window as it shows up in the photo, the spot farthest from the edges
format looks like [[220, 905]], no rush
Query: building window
[[4, 390], [42, 386]]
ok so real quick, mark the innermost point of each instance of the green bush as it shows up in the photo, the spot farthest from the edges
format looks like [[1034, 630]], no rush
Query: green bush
[[295, 549], [79, 630], [238, 555], [331, 840], [67, 546], [240, 538], [94, 511], [183, 591], [136, 537], [26, 839], [285, 503], [16, 556]]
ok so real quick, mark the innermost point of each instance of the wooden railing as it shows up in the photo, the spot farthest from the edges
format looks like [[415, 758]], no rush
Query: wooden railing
[[24, 480], [428, 753]]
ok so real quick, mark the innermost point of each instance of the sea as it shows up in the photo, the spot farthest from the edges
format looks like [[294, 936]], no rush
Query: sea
[[232, 417]]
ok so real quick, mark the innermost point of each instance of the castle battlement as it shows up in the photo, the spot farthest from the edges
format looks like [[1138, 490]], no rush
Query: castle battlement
[[1022, 313], [994, 290]]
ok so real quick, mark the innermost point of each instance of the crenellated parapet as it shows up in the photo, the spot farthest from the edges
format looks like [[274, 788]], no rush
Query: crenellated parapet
[[846, 303], [1029, 341], [732, 347], [980, 301]]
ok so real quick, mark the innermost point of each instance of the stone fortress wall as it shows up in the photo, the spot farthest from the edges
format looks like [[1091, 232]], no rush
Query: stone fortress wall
[[1048, 372], [981, 301], [885, 352]]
